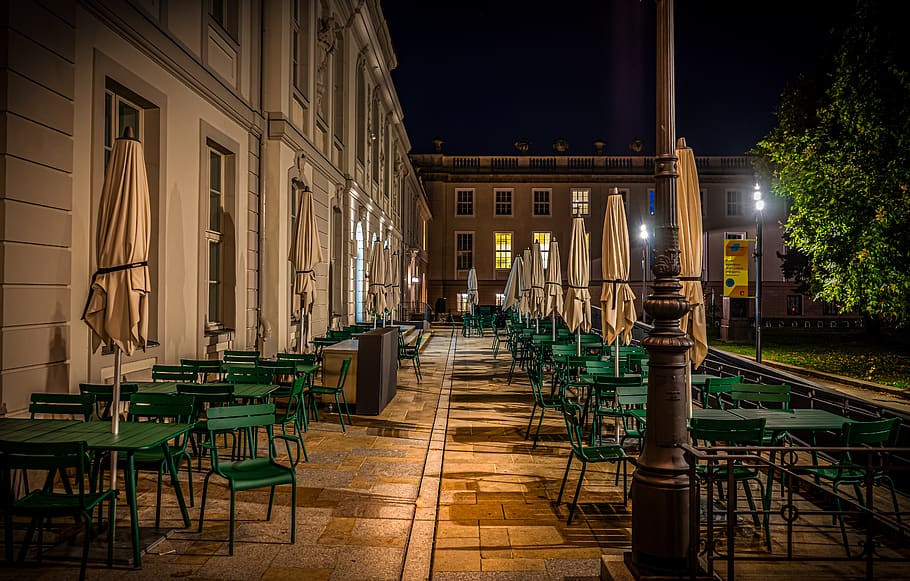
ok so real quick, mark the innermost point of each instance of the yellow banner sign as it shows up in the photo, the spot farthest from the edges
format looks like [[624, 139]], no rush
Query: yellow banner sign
[[736, 268]]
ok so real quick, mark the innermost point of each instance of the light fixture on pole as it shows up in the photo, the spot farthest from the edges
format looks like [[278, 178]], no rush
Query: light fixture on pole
[[643, 234], [759, 207]]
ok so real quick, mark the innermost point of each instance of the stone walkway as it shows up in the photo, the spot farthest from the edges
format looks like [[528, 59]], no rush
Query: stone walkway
[[442, 485]]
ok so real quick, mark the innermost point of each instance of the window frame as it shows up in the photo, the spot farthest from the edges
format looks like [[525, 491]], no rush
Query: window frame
[[459, 252], [470, 191], [230, 23], [544, 249], [549, 201], [577, 202], [738, 205], [497, 251], [214, 235], [506, 204]]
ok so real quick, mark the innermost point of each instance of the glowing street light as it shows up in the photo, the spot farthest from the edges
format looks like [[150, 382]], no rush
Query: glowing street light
[[759, 207]]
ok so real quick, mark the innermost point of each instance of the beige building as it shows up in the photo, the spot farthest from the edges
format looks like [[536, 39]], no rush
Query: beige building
[[487, 209], [239, 104]]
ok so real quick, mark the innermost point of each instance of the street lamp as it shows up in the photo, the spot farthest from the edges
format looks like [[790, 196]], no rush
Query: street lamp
[[759, 207], [643, 234]]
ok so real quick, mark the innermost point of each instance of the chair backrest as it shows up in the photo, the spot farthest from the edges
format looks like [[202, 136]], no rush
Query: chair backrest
[[733, 432], [178, 407], [249, 374], [308, 358], [631, 395], [203, 367], [345, 366], [75, 405], [718, 385], [174, 373], [573, 415], [104, 395], [43, 456], [207, 395], [240, 356], [759, 393]]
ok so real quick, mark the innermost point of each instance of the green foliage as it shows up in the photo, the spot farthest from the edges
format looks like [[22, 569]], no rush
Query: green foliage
[[841, 157]]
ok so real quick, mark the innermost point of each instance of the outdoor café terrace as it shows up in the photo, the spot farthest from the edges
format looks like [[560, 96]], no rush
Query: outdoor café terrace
[[452, 481]]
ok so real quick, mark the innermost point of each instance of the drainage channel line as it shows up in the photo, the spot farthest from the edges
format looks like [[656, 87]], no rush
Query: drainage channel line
[[419, 554]]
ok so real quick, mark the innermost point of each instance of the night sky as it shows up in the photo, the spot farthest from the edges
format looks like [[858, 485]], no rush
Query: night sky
[[481, 73]]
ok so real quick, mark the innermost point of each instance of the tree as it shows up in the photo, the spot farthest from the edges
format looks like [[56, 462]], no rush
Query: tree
[[840, 155]]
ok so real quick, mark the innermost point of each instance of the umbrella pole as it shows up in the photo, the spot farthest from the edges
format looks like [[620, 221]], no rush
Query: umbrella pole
[[537, 325], [616, 357], [115, 413], [553, 318], [301, 340], [578, 341]]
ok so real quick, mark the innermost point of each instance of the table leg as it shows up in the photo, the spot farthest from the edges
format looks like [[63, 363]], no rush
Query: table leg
[[172, 468], [130, 478]]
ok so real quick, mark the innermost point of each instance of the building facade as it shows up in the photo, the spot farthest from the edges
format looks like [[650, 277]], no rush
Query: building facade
[[488, 209], [240, 105]]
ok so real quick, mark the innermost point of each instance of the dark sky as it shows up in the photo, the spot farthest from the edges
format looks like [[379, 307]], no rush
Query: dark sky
[[481, 73]]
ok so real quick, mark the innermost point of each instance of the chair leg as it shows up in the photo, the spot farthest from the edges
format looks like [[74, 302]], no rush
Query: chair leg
[[531, 420], [347, 411], [565, 477], [205, 489], [85, 545], [231, 537], [543, 410], [268, 514], [840, 516], [112, 519], [158, 500], [581, 477], [293, 511], [340, 415], [511, 371], [189, 477]]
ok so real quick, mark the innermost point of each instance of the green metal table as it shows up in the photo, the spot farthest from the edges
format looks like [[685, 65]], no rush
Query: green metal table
[[132, 437]]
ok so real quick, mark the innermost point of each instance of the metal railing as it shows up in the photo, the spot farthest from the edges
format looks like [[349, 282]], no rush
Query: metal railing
[[802, 519]]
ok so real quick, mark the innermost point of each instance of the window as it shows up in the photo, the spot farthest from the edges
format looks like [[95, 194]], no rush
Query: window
[[463, 305], [541, 202], [118, 115], [734, 235], [503, 250], [624, 192], [581, 202], [829, 308], [734, 203], [300, 46], [464, 202], [361, 117], [213, 236], [651, 202], [464, 250], [795, 305], [224, 14], [543, 238], [503, 206], [338, 112], [500, 299]]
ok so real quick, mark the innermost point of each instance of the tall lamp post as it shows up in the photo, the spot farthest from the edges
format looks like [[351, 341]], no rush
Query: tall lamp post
[[660, 486], [759, 207], [643, 234]]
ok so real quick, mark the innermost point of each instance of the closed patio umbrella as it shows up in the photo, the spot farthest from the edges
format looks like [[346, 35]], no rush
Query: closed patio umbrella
[[577, 308], [393, 276], [472, 288], [524, 306], [688, 204], [512, 290], [305, 253], [537, 297], [552, 287], [616, 299], [117, 306], [376, 291]]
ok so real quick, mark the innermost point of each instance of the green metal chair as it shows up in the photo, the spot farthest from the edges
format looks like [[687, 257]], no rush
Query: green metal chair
[[290, 411], [164, 407], [542, 401], [204, 368], [47, 503], [719, 385], [207, 396], [847, 469], [174, 373], [412, 353], [756, 393], [573, 415], [335, 391], [104, 396], [709, 431], [631, 401], [248, 473], [240, 356], [74, 405]]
